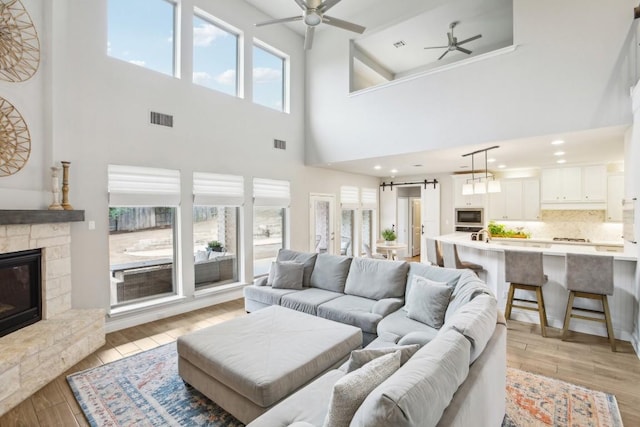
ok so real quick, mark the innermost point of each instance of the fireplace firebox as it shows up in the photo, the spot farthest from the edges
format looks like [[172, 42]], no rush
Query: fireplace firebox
[[20, 290]]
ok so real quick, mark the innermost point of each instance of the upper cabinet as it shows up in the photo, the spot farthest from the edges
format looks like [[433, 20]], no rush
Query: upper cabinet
[[615, 194], [518, 200], [585, 187], [461, 201]]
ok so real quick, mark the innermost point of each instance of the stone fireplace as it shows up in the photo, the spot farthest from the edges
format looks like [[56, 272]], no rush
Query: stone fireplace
[[36, 354]]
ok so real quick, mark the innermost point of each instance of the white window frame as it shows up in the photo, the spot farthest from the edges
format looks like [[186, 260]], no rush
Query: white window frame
[[272, 194], [286, 72], [213, 20]]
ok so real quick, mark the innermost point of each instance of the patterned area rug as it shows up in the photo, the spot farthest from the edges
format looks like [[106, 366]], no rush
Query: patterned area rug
[[146, 390]]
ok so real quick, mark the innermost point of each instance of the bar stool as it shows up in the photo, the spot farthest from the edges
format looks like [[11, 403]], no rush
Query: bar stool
[[452, 260], [523, 270], [434, 254], [589, 276]]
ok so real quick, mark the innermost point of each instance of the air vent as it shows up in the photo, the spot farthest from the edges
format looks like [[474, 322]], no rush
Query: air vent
[[399, 43], [279, 144], [161, 119]]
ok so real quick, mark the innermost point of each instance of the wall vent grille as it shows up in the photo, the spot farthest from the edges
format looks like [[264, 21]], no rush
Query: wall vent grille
[[161, 119], [279, 144]]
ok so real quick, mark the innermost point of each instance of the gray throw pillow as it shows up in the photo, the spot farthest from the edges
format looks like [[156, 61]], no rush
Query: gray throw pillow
[[361, 357], [350, 391], [286, 275], [428, 301]]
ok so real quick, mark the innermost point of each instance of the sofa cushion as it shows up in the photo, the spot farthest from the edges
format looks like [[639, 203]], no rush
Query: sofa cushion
[[266, 294], [308, 299], [418, 393], [305, 258], [352, 389], [361, 357], [286, 275], [428, 301], [398, 324], [476, 320], [376, 279], [351, 310], [437, 274], [330, 272], [469, 286], [309, 404]]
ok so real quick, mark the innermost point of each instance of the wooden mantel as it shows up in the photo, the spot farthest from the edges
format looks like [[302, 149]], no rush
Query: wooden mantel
[[39, 216]]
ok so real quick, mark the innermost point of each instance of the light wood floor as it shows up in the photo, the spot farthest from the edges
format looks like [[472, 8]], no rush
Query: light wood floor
[[585, 360]]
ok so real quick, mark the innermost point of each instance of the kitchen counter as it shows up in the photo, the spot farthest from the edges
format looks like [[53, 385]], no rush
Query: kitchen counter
[[491, 256]]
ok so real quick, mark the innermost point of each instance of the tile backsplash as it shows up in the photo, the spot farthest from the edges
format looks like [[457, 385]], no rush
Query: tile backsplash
[[572, 223]]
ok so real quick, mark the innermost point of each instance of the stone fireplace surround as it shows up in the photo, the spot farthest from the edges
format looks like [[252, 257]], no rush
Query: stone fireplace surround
[[35, 355]]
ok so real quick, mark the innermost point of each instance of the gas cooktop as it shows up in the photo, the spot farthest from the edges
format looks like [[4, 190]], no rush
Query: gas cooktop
[[570, 239]]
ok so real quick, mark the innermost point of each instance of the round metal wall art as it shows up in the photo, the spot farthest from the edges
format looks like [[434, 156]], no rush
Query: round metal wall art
[[19, 44], [15, 141]]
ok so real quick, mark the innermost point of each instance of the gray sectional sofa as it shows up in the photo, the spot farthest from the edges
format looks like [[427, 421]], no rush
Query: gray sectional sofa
[[456, 378]]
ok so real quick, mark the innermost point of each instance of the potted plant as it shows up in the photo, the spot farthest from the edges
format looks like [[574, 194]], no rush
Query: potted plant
[[388, 235], [214, 246]]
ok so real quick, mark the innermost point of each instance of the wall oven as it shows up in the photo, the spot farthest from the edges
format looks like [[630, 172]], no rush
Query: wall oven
[[469, 219]]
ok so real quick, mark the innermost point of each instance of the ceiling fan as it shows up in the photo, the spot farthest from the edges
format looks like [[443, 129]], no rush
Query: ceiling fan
[[313, 14], [454, 44]]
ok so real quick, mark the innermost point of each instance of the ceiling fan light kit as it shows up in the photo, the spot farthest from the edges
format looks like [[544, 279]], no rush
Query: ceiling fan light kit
[[453, 43], [313, 14]]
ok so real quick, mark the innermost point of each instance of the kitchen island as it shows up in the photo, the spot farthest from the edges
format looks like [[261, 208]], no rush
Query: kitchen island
[[622, 304]]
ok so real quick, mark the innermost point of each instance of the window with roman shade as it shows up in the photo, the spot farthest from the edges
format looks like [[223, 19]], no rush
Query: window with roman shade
[[142, 186], [271, 192], [369, 198], [211, 189], [271, 199]]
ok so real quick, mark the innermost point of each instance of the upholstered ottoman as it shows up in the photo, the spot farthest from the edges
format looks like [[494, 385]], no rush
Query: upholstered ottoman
[[248, 364]]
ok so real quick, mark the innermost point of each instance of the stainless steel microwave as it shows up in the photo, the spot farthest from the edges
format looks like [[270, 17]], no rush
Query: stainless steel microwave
[[469, 217]]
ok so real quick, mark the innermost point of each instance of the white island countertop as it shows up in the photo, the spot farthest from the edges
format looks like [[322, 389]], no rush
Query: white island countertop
[[546, 246]]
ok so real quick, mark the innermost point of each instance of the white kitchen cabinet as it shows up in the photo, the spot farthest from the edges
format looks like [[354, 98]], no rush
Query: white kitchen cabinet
[[518, 200], [531, 199], [615, 194], [461, 201], [594, 183], [561, 185]]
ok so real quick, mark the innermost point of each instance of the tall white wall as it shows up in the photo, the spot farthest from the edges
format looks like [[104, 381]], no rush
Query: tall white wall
[[96, 112], [570, 72]]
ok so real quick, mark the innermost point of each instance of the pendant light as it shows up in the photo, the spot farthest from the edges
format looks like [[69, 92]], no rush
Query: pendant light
[[477, 185]]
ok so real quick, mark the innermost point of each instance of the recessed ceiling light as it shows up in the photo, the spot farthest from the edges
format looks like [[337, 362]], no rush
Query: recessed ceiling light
[[491, 160], [561, 161], [502, 166], [394, 171], [377, 167], [557, 142], [559, 153]]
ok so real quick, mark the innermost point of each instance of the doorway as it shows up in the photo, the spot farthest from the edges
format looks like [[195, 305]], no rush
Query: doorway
[[409, 219], [322, 223]]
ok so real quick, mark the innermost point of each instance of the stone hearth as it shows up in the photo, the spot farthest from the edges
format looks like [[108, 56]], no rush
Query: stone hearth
[[35, 355]]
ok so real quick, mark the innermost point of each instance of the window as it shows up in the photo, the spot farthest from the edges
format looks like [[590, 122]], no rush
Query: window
[[215, 54], [349, 203], [143, 33], [271, 202], [369, 203], [270, 77], [216, 211], [142, 232]]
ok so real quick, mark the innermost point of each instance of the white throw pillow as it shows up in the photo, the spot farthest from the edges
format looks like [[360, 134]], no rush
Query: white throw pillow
[[427, 301], [350, 391]]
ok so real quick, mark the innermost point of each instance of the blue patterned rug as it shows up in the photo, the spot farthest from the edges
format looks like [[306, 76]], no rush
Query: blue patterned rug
[[146, 390]]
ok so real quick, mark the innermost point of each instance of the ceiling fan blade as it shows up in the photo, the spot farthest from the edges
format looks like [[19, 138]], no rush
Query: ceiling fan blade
[[302, 4], [343, 24], [445, 52], [279, 21], [436, 47], [308, 37], [327, 4], [470, 39], [463, 50]]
